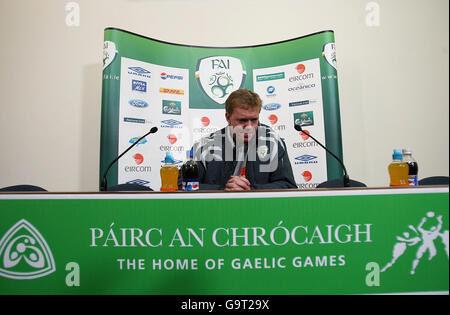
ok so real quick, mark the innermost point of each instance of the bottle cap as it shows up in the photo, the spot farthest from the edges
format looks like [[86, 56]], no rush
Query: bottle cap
[[397, 154], [406, 151], [169, 158]]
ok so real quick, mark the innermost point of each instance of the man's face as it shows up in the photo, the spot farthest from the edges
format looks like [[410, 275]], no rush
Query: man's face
[[244, 122]]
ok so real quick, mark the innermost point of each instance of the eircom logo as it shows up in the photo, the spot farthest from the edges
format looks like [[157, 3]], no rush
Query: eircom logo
[[24, 253]]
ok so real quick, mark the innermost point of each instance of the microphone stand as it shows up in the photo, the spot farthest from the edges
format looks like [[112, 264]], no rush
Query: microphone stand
[[346, 177], [104, 186]]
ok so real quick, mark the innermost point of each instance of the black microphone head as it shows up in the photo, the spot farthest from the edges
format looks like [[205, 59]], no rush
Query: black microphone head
[[298, 127], [153, 130]]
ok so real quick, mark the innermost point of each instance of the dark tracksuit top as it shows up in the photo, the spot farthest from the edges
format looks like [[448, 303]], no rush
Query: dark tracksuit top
[[267, 164]]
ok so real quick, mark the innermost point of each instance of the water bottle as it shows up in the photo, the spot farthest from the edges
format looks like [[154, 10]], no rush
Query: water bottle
[[398, 170], [169, 174], [413, 167], [189, 173]]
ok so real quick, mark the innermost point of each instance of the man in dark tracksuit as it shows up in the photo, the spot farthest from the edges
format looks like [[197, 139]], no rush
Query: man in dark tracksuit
[[244, 155]]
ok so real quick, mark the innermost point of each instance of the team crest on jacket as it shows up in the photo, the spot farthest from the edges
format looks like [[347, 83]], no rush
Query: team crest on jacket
[[219, 76]]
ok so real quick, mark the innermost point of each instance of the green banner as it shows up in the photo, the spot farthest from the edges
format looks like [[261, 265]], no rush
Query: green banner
[[351, 242], [182, 89]]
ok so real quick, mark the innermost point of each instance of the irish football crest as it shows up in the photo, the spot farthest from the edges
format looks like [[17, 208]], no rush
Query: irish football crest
[[218, 76], [24, 253], [109, 53]]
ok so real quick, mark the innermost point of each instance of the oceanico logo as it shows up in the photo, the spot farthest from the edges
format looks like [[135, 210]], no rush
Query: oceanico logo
[[24, 253]]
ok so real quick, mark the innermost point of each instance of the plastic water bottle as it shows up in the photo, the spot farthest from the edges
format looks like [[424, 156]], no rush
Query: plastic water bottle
[[189, 173], [398, 170], [413, 167], [169, 174]]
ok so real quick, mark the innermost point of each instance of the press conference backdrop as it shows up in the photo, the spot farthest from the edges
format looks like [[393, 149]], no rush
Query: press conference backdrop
[[182, 90]]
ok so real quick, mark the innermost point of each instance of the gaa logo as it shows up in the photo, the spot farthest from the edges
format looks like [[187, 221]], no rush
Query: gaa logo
[[218, 76], [24, 253], [109, 53]]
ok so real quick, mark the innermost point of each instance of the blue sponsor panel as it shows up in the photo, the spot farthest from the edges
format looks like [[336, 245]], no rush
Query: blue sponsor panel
[[139, 86]]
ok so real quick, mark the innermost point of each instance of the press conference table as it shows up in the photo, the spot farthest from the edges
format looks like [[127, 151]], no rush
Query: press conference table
[[321, 241]]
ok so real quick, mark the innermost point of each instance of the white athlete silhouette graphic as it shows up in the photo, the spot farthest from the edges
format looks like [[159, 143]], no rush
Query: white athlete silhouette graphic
[[426, 236], [400, 248]]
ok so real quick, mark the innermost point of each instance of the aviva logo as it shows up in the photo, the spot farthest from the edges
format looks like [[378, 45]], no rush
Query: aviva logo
[[24, 253]]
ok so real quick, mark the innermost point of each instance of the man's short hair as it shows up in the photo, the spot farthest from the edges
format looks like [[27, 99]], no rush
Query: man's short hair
[[242, 98]]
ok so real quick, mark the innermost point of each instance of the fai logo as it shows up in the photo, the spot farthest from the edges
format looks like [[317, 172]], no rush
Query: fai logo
[[109, 53], [218, 76], [24, 253], [421, 241], [329, 53]]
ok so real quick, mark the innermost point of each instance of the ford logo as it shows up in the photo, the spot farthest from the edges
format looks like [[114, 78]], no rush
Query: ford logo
[[138, 103], [272, 106]]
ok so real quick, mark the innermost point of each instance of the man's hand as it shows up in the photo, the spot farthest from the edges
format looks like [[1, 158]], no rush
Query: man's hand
[[237, 183]]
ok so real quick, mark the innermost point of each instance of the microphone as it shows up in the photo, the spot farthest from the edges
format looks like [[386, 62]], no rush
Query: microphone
[[104, 186], [346, 177]]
